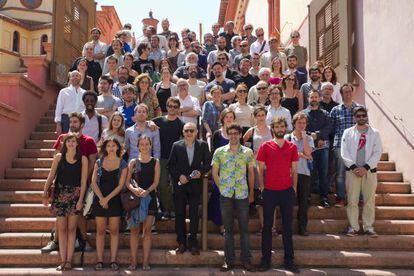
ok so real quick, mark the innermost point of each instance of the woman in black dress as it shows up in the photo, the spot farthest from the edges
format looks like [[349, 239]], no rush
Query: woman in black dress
[[107, 181], [70, 169], [144, 172]]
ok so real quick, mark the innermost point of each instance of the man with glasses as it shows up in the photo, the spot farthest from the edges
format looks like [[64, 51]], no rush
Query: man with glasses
[[189, 160], [248, 30], [208, 45], [313, 84], [171, 129], [212, 56], [233, 172], [189, 106], [292, 63], [275, 109], [264, 76], [361, 151], [299, 51], [267, 58], [228, 73], [244, 53], [260, 46], [202, 59]]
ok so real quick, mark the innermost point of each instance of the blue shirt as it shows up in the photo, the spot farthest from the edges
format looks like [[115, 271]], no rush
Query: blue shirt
[[211, 114], [342, 118], [132, 134], [128, 113]]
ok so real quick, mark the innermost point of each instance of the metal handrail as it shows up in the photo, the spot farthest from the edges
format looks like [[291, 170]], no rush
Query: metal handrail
[[399, 119]]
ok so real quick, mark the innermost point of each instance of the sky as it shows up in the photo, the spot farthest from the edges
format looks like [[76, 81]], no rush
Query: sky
[[180, 13]]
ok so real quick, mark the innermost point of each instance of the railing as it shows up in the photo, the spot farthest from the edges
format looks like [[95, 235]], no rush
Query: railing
[[393, 119], [204, 221]]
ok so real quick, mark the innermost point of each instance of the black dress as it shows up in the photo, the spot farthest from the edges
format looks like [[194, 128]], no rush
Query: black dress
[[292, 104], [108, 182], [145, 177], [163, 94]]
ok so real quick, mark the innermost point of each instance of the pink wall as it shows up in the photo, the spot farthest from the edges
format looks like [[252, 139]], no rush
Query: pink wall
[[23, 100], [383, 54]]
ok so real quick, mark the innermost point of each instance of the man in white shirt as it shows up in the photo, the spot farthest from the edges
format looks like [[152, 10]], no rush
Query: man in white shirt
[[260, 46], [361, 151], [196, 87], [189, 106], [100, 47], [94, 122], [267, 58], [275, 109], [69, 100]]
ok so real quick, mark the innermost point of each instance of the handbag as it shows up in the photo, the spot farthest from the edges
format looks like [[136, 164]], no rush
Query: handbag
[[130, 200]]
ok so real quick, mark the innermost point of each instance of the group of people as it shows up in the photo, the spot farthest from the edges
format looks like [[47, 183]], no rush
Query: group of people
[[164, 112]]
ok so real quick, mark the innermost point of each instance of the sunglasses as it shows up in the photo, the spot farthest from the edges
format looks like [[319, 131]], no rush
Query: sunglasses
[[259, 35], [173, 106], [361, 116], [261, 88], [191, 130]]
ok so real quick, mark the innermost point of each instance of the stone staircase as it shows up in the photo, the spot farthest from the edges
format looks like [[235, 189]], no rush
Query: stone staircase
[[25, 225]]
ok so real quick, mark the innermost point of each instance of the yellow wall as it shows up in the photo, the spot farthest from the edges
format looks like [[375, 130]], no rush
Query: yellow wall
[[47, 6], [9, 63]]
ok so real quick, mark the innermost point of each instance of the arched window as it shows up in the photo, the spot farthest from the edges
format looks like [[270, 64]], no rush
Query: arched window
[[16, 41], [43, 39]]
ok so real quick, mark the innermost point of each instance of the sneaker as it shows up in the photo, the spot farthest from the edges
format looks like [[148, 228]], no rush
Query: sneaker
[[226, 267], [291, 267], [51, 246], [350, 232], [340, 203], [154, 230], [263, 267], [325, 204], [371, 233]]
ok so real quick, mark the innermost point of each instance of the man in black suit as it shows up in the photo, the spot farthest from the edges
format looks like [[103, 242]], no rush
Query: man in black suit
[[189, 160]]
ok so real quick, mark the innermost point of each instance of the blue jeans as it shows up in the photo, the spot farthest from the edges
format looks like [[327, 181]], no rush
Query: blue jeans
[[229, 208], [340, 174], [64, 122], [320, 171]]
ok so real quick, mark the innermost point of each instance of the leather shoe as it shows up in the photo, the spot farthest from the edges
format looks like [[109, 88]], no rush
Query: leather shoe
[[291, 267], [226, 267], [249, 267], [303, 232], [181, 249], [195, 251], [263, 267]]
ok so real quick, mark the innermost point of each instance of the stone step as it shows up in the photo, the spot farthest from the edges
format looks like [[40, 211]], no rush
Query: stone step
[[32, 162], [315, 226], [386, 199], [47, 120], [43, 172], [314, 212], [391, 187], [50, 113], [22, 184], [39, 144], [36, 153], [216, 242], [51, 127], [43, 135], [205, 271], [12, 197], [312, 258]]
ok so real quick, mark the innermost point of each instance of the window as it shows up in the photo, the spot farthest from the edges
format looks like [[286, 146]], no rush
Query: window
[[327, 34], [43, 39], [16, 42]]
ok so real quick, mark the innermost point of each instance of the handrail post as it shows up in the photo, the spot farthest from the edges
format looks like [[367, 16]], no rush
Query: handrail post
[[204, 231]]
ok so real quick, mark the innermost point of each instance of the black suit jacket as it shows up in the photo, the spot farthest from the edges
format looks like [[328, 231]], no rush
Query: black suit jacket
[[178, 163]]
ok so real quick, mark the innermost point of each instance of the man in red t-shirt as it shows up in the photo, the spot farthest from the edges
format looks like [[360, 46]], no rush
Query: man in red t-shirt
[[87, 148], [280, 158]]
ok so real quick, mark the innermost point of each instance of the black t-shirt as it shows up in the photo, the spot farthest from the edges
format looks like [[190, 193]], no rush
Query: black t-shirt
[[144, 66], [162, 95], [94, 70], [170, 132], [249, 80]]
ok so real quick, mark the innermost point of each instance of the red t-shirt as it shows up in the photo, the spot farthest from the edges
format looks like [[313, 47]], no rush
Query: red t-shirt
[[87, 144], [278, 161]]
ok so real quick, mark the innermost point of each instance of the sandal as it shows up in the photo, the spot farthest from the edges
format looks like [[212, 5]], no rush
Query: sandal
[[114, 266], [146, 267], [67, 266], [61, 267], [132, 267], [98, 266]]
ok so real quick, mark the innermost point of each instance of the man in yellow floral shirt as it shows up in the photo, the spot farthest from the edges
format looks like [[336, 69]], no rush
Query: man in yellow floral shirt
[[230, 163]]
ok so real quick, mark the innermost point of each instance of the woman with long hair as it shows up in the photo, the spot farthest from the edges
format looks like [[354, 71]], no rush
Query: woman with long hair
[[128, 60], [243, 111], [212, 110], [146, 94], [329, 75], [107, 182], [70, 171], [292, 96], [145, 172], [165, 88], [116, 128], [174, 52], [86, 81], [276, 74]]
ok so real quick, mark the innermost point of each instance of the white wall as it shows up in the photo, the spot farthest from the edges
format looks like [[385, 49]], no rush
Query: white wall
[[292, 14], [257, 14]]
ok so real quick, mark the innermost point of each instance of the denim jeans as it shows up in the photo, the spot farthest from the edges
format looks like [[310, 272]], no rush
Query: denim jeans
[[340, 174], [229, 208], [320, 171], [64, 122]]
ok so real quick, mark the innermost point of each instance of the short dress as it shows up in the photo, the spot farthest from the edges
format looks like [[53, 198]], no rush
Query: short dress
[[109, 180], [67, 188], [145, 177]]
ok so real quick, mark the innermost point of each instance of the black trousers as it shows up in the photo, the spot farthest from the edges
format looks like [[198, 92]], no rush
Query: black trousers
[[187, 194], [285, 200], [303, 192]]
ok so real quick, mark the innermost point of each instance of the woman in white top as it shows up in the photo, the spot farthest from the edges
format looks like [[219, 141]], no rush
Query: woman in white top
[[243, 111], [329, 75], [115, 128]]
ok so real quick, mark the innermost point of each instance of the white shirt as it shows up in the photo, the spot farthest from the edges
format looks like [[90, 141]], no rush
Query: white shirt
[[336, 95], [91, 127], [197, 90], [190, 101], [256, 46], [350, 142], [120, 59], [69, 100], [244, 114], [272, 113], [266, 60]]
